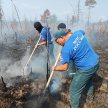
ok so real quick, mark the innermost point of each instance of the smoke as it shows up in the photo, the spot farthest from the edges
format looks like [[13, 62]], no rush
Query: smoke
[[9, 68], [4, 63], [56, 83], [12, 68], [38, 63]]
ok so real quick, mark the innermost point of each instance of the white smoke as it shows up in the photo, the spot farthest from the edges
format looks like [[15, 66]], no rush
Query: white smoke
[[13, 69], [56, 84]]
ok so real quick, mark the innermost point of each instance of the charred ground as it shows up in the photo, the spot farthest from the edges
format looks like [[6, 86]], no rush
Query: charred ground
[[26, 92]]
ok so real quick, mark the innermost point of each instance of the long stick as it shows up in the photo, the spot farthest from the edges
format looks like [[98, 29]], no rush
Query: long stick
[[48, 62], [51, 74], [25, 67], [4, 85]]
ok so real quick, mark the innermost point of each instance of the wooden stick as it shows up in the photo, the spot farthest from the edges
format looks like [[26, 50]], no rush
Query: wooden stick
[[25, 67], [51, 74], [4, 85]]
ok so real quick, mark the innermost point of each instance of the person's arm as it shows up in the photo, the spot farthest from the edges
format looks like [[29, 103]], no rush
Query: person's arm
[[60, 59], [64, 62], [42, 43], [62, 67], [44, 39]]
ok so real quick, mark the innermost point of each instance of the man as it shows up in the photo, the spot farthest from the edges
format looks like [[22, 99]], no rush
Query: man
[[77, 49], [43, 31], [71, 68], [62, 26]]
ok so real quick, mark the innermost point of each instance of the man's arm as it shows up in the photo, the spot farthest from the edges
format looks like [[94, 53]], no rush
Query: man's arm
[[43, 43], [62, 67]]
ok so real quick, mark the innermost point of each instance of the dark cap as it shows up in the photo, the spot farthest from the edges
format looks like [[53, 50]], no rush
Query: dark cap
[[38, 26], [61, 25], [59, 33]]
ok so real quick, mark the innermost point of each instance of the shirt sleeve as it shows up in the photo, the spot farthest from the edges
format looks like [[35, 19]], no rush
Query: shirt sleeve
[[65, 56]]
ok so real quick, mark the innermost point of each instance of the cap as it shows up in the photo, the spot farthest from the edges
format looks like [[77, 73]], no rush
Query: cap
[[59, 33], [38, 26], [61, 25]]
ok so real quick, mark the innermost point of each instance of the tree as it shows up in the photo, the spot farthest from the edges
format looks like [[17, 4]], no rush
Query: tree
[[90, 4], [73, 20], [45, 16], [0, 15], [53, 18], [14, 25], [78, 16], [1, 21], [26, 24], [52, 21]]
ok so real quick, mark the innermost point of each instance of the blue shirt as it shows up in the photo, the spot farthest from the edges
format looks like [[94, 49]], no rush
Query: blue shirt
[[79, 50], [44, 34]]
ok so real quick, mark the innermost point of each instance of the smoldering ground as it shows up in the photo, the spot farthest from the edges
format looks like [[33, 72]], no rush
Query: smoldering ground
[[13, 68]]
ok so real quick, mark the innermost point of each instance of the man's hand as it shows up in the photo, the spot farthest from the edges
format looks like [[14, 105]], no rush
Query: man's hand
[[36, 46], [53, 68], [60, 59], [62, 67]]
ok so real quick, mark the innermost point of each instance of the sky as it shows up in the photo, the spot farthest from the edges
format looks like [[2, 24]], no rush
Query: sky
[[32, 9]]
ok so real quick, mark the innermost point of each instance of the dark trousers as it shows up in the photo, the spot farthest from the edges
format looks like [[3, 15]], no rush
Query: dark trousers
[[82, 78]]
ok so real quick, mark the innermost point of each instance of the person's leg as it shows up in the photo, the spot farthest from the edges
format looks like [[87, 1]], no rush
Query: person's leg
[[79, 81], [89, 86], [76, 87], [51, 54], [51, 47], [89, 89]]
